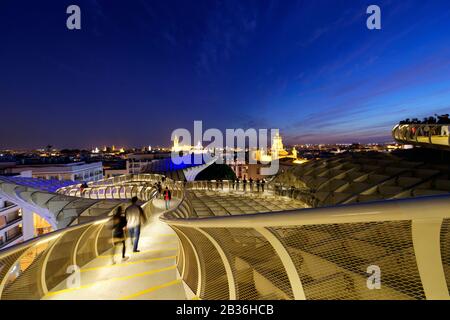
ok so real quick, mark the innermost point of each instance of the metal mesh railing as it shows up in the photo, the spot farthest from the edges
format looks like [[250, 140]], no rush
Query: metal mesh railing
[[122, 187], [29, 270], [322, 253], [257, 270], [332, 259], [188, 266], [214, 281]]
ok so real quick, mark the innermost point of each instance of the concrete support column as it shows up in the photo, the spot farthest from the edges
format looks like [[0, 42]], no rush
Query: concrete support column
[[27, 224]]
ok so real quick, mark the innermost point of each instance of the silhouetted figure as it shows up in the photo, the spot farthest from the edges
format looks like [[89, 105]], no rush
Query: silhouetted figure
[[443, 119], [258, 184], [244, 184], [119, 226], [263, 182], [83, 186], [159, 189], [251, 184]]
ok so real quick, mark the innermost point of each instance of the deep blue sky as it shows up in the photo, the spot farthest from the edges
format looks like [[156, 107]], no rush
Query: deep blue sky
[[139, 69]]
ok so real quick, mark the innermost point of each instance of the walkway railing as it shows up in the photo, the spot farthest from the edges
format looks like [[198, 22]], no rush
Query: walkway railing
[[383, 250], [423, 134], [29, 270], [122, 187]]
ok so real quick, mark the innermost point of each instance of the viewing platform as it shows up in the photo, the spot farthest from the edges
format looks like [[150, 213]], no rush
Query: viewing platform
[[427, 135]]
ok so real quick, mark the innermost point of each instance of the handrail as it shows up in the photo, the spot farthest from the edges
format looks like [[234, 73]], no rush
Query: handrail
[[28, 270], [8, 207], [44, 237], [318, 253], [384, 210]]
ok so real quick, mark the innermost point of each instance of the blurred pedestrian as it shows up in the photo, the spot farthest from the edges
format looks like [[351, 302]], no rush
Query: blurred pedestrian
[[135, 217], [119, 227]]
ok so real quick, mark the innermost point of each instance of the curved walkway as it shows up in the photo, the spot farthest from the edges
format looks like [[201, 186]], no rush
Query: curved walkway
[[150, 274]]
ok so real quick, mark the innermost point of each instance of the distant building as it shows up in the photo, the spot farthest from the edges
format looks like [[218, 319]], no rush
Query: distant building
[[18, 224], [277, 151], [177, 147], [135, 163], [244, 169], [76, 171], [10, 224]]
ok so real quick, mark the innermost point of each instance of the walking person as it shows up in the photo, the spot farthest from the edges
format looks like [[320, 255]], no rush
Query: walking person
[[244, 184], [258, 185], [119, 227], [135, 217], [251, 184], [159, 189], [263, 182], [167, 197]]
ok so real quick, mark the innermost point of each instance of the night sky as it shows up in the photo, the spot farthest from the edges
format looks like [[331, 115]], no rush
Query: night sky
[[139, 69]]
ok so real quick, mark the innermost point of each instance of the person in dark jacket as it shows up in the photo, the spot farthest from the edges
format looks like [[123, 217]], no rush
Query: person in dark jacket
[[119, 227]]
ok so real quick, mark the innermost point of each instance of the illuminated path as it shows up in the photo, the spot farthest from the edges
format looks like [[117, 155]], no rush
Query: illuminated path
[[149, 275]]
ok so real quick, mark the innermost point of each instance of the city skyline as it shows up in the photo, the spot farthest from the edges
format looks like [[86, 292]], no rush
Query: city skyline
[[137, 71]]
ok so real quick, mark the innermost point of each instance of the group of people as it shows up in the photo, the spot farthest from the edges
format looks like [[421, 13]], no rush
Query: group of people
[[260, 184], [165, 194], [219, 184], [127, 223], [437, 119]]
